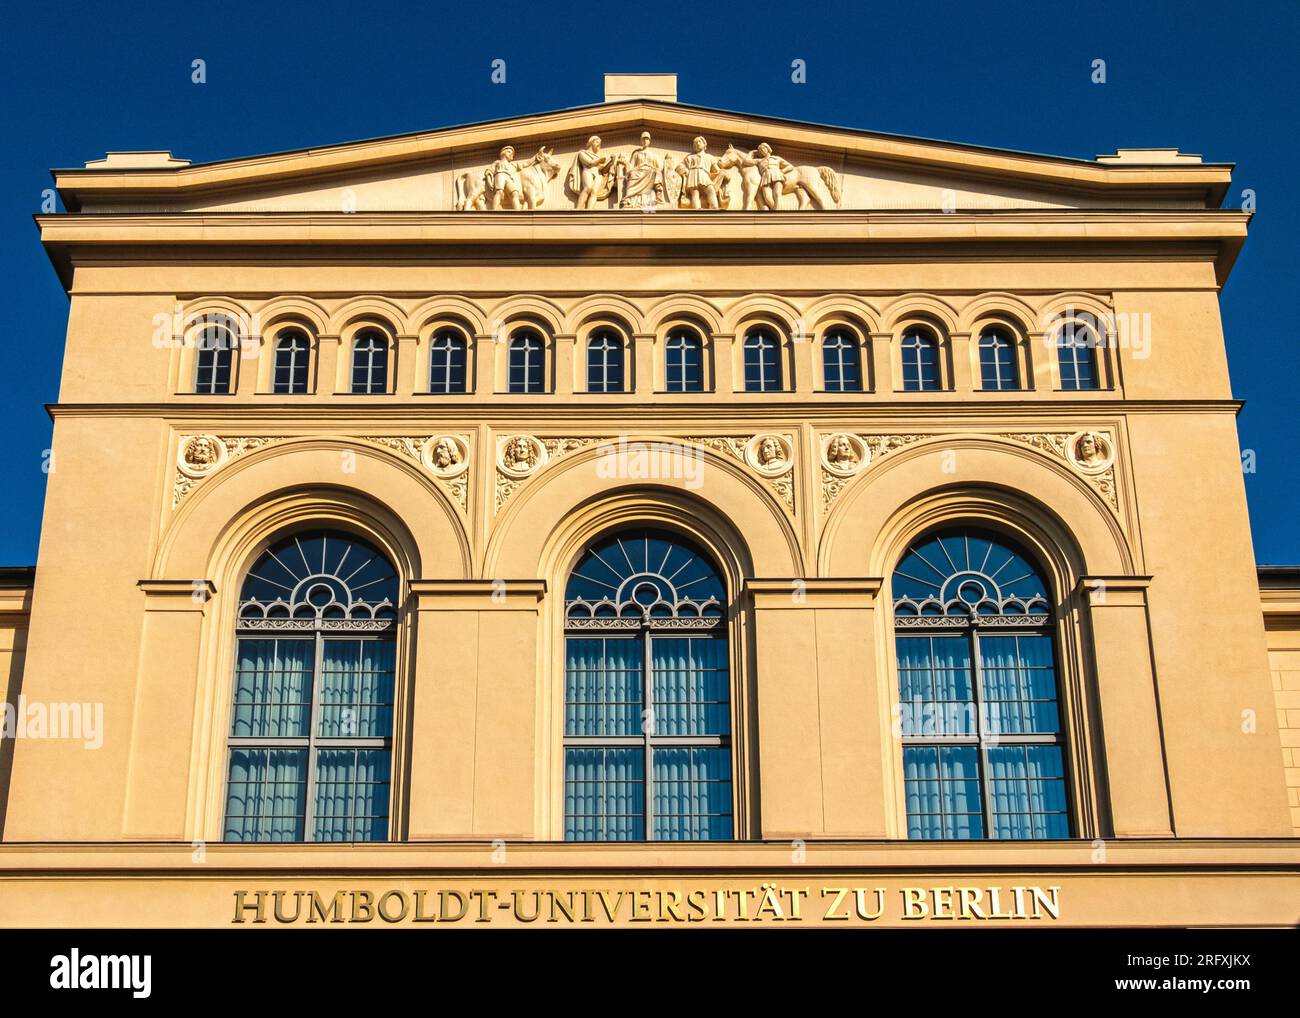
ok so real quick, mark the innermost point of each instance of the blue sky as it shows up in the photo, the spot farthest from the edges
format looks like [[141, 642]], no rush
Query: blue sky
[[1217, 79]]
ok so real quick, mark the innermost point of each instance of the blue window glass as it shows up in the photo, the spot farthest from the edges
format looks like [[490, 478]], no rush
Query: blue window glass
[[212, 368], [762, 361], [684, 367], [605, 362], [370, 363], [447, 362], [920, 351], [292, 352], [312, 717], [647, 732], [527, 362], [842, 363], [998, 360], [978, 709], [1076, 356]]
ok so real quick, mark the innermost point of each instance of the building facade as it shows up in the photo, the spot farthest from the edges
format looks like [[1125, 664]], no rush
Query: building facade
[[647, 513]]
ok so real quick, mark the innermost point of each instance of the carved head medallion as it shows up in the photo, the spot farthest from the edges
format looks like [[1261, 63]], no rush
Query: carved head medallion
[[1090, 451], [520, 455], [446, 455], [844, 454], [200, 455], [770, 455]]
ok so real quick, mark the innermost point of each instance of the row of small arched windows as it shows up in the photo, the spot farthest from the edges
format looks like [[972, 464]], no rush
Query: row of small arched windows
[[684, 366]]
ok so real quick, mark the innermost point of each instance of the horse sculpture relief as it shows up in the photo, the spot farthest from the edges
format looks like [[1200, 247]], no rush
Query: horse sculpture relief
[[765, 177]]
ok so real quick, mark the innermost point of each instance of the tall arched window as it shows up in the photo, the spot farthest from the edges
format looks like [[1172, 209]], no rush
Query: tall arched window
[[604, 362], [762, 361], [647, 730], [312, 722], [981, 728], [684, 362], [527, 362], [998, 360], [920, 361], [212, 365], [448, 362], [1076, 346], [370, 362], [842, 362], [292, 352]]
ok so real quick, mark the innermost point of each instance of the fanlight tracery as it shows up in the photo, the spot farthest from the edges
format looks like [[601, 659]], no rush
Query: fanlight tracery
[[967, 573], [643, 578], [319, 579]]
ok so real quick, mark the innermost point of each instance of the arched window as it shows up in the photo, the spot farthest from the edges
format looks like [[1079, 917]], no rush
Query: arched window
[[762, 361], [527, 362], [842, 362], [1076, 346], [647, 729], [212, 366], [684, 362], [920, 361], [448, 362], [370, 362], [292, 351], [312, 722], [977, 688], [998, 360], [604, 362]]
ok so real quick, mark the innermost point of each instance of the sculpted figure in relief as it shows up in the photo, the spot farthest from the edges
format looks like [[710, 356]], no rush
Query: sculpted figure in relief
[[840, 453], [765, 177], [697, 172], [519, 454], [1090, 450], [589, 175], [770, 453], [508, 184], [445, 454], [201, 452], [639, 178]]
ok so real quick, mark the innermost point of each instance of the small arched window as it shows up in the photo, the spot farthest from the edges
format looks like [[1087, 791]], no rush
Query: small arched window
[[998, 360], [842, 362], [647, 729], [527, 364], [1076, 354], [684, 361], [920, 361], [762, 361], [292, 352], [977, 690], [448, 362], [214, 361], [605, 362], [311, 726], [370, 362]]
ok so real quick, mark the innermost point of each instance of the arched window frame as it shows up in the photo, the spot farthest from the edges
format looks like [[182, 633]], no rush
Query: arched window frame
[[333, 627], [607, 361], [449, 361], [291, 361], [762, 359], [1018, 614], [696, 613], [527, 365], [843, 352], [1080, 362], [370, 364], [998, 359], [685, 360], [214, 359], [920, 371]]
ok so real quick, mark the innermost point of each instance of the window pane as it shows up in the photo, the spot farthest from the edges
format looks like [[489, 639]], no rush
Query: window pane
[[842, 364], [447, 360], [692, 793], [942, 789], [604, 793], [685, 364], [603, 694], [690, 686], [351, 795], [935, 688], [1019, 685], [356, 693], [266, 794], [273, 689], [762, 363], [1027, 788]]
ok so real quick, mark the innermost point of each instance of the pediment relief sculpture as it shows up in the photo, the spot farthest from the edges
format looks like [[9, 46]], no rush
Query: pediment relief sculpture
[[645, 179]]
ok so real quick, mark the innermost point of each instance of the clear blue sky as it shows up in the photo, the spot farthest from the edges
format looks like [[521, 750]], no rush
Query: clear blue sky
[[1214, 78]]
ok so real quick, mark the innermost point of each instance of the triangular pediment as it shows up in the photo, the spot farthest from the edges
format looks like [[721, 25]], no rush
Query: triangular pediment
[[809, 166]]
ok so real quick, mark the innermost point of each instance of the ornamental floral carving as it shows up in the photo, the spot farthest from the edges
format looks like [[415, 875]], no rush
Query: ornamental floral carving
[[770, 456], [845, 455], [446, 457], [520, 456], [1089, 453], [201, 455]]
